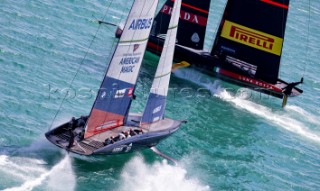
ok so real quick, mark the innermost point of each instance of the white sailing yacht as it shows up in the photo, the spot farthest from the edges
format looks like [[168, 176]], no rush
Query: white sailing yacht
[[110, 128]]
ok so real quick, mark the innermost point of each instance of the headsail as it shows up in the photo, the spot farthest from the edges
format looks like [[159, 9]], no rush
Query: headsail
[[251, 36], [156, 103], [192, 25], [115, 95]]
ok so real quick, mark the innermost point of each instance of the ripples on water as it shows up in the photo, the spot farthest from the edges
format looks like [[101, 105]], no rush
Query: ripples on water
[[230, 143]]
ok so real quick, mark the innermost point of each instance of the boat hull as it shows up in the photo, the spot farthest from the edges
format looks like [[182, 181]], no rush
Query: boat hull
[[144, 141], [204, 62], [94, 145]]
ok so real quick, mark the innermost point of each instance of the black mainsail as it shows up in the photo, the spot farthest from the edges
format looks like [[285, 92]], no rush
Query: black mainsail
[[253, 31], [248, 46], [192, 24]]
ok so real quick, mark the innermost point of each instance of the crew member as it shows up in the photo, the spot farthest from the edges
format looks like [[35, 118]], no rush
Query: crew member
[[109, 141], [72, 126]]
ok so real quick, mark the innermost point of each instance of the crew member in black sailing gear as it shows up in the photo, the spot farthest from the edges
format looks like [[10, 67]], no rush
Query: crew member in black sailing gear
[[82, 121], [288, 89], [72, 126]]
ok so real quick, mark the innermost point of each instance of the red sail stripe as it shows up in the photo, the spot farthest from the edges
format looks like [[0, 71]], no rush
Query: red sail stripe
[[275, 4], [193, 7]]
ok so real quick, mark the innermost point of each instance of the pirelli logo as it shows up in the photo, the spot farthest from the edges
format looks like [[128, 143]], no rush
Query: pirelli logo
[[252, 38]]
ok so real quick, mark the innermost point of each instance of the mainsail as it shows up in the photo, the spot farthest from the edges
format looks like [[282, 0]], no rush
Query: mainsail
[[156, 103], [192, 25], [115, 95], [251, 36]]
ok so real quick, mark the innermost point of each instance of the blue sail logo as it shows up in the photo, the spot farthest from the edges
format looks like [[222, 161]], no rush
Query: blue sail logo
[[140, 24], [128, 64]]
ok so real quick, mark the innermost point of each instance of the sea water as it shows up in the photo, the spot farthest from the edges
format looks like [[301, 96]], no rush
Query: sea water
[[53, 56]]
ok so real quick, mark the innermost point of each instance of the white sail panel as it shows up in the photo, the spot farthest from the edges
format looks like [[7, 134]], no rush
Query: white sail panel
[[156, 103], [162, 77], [128, 56], [115, 95]]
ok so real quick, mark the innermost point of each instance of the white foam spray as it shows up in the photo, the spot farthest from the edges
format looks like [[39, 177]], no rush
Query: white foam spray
[[139, 176], [304, 114], [283, 120], [19, 167], [60, 176]]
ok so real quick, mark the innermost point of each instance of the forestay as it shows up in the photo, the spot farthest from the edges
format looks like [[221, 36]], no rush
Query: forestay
[[115, 95], [156, 103]]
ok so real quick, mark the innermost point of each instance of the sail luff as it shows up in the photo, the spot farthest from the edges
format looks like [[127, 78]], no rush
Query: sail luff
[[156, 103], [115, 94]]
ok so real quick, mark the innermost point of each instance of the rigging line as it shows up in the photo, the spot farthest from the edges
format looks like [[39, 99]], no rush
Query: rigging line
[[79, 66], [308, 48], [114, 48]]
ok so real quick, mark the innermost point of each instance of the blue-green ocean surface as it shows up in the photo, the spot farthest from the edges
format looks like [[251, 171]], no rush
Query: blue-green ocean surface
[[242, 142]]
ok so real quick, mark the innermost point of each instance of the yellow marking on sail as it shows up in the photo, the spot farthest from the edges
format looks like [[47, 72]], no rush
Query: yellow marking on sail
[[182, 64], [253, 38]]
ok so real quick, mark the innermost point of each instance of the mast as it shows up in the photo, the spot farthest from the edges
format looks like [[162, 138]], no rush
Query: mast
[[156, 103], [115, 94], [250, 37], [192, 24]]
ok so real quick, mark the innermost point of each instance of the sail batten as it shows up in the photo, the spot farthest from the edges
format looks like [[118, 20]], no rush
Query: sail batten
[[130, 41], [115, 94], [154, 110]]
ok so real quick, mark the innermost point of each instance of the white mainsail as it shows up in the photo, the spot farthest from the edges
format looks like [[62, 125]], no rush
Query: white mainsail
[[156, 103], [115, 94]]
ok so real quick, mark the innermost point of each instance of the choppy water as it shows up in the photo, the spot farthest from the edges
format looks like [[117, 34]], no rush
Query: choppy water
[[230, 143]]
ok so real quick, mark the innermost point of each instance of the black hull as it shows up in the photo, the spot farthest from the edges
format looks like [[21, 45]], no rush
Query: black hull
[[95, 145], [204, 62]]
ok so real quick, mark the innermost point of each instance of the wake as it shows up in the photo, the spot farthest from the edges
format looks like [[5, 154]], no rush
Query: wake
[[285, 120], [137, 176], [308, 116], [60, 177]]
